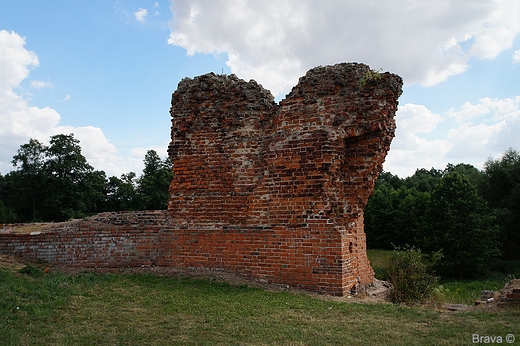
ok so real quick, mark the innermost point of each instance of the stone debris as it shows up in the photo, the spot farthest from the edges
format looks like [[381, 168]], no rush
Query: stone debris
[[510, 293]]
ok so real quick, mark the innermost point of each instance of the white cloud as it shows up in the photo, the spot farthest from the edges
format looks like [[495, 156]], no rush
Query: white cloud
[[98, 150], [39, 84], [462, 142], [141, 15], [472, 142], [417, 119], [498, 130], [409, 150], [275, 42], [499, 108], [15, 62], [66, 98], [516, 57], [20, 121]]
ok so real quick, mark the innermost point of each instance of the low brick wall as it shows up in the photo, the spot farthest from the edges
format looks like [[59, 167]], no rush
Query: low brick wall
[[127, 239], [311, 257]]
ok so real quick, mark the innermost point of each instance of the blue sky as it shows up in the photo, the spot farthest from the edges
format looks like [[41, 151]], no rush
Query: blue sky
[[105, 69]]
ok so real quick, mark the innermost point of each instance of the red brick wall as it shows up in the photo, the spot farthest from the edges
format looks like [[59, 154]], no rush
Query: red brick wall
[[274, 192], [240, 160], [307, 257]]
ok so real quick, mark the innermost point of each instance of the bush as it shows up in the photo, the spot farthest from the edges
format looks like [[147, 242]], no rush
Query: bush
[[411, 275]]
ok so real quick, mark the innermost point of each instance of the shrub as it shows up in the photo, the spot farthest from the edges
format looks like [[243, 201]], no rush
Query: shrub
[[411, 275]]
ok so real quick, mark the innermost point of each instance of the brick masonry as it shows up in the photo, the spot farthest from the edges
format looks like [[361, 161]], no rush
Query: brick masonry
[[272, 191]]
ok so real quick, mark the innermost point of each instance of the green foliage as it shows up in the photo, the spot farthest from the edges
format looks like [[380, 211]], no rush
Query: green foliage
[[3, 212], [470, 214], [411, 275], [67, 172], [122, 193], [395, 216], [460, 224], [56, 183], [370, 76], [450, 290], [28, 182], [155, 181], [424, 180], [502, 191]]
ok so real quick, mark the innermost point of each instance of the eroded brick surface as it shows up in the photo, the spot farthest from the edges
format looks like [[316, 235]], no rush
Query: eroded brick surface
[[305, 167], [272, 191]]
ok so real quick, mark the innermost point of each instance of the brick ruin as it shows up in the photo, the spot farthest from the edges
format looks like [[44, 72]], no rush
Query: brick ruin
[[271, 191]]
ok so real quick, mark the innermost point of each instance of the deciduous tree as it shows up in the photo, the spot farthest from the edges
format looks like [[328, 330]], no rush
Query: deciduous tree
[[460, 224]]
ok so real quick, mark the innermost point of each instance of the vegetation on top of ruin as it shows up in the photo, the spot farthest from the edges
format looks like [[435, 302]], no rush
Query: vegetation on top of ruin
[[370, 75]]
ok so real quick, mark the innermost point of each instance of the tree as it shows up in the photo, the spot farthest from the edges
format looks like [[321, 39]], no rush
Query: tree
[[155, 181], [3, 212], [411, 274], [94, 190], [122, 193], [424, 180], [502, 191], [29, 179], [67, 171], [474, 176], [460, 224], [8, 214], [410, 217], [395, 217], [53, 183], [390, 179], [3, 208], [379, 217]]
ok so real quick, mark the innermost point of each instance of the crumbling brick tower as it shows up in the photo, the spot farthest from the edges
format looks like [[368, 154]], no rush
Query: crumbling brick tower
[[277, 192]]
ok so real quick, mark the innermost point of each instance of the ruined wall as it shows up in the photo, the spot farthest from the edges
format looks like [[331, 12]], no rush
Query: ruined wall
[[303, 169], [272, 191]]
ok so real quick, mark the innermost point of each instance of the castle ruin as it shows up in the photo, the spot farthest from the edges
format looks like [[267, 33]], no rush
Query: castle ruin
[[274, 192]]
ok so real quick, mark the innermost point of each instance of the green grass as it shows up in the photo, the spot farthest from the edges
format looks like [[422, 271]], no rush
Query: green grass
[[379, 260], [142, 309], [456, 291]]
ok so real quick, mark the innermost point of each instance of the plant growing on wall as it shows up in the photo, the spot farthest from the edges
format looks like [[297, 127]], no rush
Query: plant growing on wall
[[370, 75]]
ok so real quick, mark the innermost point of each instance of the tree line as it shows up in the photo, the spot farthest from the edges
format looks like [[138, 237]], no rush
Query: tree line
[[56, 183], [471, 216]]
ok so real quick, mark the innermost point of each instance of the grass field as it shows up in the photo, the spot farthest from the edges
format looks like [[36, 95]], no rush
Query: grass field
[[142, 309]]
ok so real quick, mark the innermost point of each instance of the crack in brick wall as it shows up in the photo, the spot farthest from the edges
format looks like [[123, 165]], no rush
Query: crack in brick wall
[[272, 191]]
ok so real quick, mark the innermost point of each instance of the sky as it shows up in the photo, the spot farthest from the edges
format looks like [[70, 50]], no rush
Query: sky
[[105, 70]]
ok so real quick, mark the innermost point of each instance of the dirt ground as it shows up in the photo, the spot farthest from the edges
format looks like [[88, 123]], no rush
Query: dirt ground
[[30, 227]]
